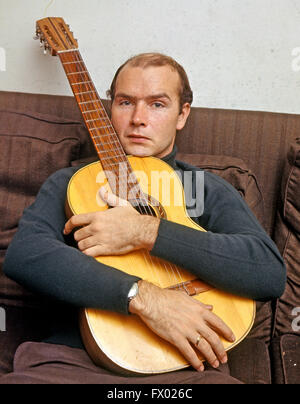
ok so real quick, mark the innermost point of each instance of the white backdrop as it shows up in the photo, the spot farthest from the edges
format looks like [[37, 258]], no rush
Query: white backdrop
[[240, 54]]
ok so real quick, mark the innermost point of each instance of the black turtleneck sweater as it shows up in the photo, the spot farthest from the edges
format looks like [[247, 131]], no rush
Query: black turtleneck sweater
[[235, 254]]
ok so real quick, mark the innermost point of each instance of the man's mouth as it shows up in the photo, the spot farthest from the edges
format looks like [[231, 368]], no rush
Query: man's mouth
[[137, 138]]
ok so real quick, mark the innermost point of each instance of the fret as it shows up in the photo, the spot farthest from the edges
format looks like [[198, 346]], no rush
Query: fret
[[112, 151], [102, 118], [93, 110], [70, 74], [109, 143], [100, 112], [112, 164], [85, 92], [102, 127], [100, 107], [81, 82], [69, 63], [115, 157], [111, 135], [88, 102], [97, 119], [68, 50]]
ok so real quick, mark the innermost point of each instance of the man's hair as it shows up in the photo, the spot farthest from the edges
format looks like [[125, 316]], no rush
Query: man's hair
[[144, 60]]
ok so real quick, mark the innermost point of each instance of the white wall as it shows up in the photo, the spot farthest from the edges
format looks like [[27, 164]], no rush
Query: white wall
[[238, 53]]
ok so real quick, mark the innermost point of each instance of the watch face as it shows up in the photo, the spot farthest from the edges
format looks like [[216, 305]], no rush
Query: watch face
[[133, 291]]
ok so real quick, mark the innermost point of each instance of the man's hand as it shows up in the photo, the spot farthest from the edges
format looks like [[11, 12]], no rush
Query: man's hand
[[115, 231], [180, 319]]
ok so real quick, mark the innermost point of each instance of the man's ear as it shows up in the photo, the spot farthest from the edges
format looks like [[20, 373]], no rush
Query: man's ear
[[183, 116]]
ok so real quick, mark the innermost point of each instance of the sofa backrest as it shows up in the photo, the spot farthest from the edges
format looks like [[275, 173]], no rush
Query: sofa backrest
[[260, 139]]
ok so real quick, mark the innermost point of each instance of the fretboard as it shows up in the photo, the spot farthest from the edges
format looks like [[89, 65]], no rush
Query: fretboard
[[107, 144]]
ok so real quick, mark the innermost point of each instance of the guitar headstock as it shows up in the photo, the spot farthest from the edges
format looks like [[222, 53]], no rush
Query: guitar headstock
[[55, 35]]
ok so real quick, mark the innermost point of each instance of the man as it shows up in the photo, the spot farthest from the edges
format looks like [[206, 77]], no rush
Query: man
[[151, 101]]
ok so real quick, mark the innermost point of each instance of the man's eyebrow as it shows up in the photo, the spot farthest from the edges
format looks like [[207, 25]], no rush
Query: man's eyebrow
[[150, 97]]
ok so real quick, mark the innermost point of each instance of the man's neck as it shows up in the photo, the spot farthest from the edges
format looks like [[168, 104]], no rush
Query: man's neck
[[170, 158]]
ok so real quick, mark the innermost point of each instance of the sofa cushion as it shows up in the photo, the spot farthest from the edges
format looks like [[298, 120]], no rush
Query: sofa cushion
[[33, 146], [21, 324], [236, 172], [287, 237], [250, 363], [285, 357]]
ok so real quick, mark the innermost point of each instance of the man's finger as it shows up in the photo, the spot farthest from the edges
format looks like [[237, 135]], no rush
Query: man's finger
[[77, 221], [94, 251], [83, 233], [206, 350], [220, 327], [112, 199], [190, 355], [216, 351]]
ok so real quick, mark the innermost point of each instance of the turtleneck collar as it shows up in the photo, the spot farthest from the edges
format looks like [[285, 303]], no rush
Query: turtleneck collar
[[170, 158]]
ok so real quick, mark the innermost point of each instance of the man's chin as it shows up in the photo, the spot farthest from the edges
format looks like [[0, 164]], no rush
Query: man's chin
[[138, 151]]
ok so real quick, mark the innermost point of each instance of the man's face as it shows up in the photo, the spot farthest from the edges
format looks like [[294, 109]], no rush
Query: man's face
[[145, 110]]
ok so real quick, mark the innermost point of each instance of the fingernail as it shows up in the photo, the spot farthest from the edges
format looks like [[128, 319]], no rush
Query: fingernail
[[201, 368], [216, 364], [224, 359]]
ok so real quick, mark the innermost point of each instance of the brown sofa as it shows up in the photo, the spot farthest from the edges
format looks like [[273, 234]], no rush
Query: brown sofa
[[257, 152]]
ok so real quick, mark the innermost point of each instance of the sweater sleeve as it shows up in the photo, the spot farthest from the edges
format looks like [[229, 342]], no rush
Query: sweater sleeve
[[40, 259], [235, 254]]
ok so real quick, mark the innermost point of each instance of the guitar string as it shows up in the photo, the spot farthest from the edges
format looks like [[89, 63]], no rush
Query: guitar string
[[102, 117]]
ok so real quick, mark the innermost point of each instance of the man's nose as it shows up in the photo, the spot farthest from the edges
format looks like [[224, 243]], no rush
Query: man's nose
[[140, 115]]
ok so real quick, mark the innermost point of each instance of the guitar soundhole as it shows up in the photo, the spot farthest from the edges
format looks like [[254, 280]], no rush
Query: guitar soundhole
[[151, 208]]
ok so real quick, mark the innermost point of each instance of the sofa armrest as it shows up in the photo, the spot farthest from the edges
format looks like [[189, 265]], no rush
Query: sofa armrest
[[285, 356]]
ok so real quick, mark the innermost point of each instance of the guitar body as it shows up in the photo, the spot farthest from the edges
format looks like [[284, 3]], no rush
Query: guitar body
[[123, 343]]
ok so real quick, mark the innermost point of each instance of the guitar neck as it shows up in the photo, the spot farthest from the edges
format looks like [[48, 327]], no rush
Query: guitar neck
[[107, 144]]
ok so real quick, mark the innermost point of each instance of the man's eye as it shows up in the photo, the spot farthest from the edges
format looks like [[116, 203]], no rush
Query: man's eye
[[125, 103], [158, 105]]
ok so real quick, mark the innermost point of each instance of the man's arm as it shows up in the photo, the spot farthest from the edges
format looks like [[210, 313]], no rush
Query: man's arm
[[235, 254], [39, 259]]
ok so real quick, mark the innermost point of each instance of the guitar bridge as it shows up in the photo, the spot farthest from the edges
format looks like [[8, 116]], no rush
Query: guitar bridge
[[192, 288]]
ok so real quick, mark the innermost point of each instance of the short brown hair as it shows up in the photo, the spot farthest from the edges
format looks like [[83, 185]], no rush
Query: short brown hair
[[157, 59]]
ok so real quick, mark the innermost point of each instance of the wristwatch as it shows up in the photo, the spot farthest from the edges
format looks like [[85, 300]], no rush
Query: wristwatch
[[133, 292]]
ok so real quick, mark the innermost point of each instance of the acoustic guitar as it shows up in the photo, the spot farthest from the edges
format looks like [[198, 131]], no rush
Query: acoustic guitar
[[124, 344]]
